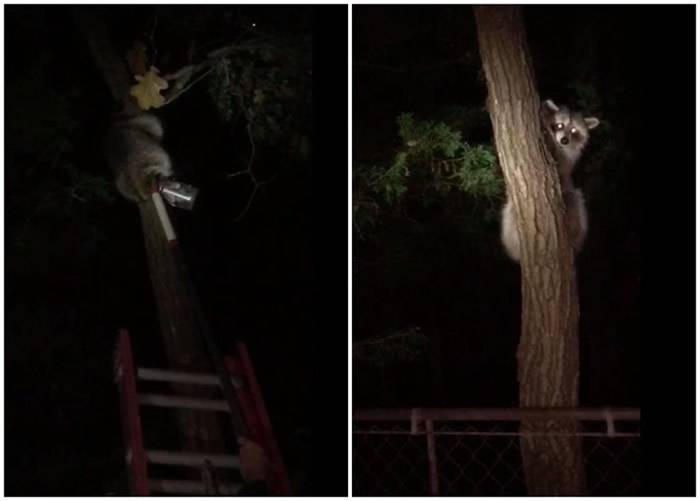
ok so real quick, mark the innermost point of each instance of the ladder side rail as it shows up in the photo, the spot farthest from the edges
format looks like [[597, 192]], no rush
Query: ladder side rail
[[131, 420], [246, 403], [278, 481]]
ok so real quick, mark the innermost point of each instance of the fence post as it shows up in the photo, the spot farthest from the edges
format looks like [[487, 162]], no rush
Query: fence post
[[432, 458]]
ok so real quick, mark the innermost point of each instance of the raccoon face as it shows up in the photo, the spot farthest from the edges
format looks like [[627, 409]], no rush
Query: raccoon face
[[567, 130]]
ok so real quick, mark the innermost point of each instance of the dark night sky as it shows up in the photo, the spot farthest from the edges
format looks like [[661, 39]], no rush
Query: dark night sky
[[74, 277], [422, 59], [75, 271], [640, 62]]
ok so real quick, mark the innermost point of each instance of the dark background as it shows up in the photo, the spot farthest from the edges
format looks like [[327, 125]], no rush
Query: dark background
[[427, 270], [461, 289], [76, 269], [66, 294]]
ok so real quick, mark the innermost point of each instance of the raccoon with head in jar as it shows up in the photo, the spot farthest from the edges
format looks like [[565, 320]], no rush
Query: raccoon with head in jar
[[567, 136], [136, 155]]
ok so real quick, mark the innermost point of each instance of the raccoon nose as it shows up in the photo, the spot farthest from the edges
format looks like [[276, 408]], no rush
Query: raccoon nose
[[564, 141]]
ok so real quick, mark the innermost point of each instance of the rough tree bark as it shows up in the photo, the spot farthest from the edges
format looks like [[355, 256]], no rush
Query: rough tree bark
[[179, 332], [548, 353]]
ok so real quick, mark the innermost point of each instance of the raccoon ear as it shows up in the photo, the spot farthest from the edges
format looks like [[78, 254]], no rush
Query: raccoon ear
[[549, 105], [591, 122]]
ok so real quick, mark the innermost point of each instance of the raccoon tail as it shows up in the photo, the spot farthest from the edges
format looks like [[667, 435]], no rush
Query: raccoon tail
[[509, 233], [576, 223]]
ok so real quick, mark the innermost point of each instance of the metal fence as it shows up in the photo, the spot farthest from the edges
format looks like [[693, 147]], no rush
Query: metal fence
[[413, 452]]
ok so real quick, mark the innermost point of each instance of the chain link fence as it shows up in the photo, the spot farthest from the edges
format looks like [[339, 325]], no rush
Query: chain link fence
[[476, 452]]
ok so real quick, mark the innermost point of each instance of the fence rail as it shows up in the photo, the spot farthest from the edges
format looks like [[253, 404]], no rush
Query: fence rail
[[477, 451]]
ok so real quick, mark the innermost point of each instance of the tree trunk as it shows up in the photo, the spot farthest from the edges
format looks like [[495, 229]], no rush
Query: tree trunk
[[181, 337], [548, 354], [199, 431]]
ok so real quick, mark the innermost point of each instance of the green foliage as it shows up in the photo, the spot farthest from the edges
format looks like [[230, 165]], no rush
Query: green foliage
[[400, 346], [428, 138], [434, 163], [476, 174], [267, 83], [393, 180], [219, 85], [365, 209]]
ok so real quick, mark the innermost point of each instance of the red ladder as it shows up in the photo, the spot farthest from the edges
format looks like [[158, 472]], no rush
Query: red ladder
[[138, 457]]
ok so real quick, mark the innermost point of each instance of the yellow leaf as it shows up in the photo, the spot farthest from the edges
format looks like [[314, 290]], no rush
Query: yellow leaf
[[147, 90]]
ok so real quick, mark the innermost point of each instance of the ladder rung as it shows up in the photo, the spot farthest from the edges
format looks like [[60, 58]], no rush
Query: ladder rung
[[189, 487], [191, 458], [157, 400], [147, 374]]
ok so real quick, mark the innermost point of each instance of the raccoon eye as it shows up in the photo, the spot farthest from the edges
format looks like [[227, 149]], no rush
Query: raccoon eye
[[559, 126], [573, 130]]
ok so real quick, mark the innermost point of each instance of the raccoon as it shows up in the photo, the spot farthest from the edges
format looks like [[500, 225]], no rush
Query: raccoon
[[567, 136], [136, 155]]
